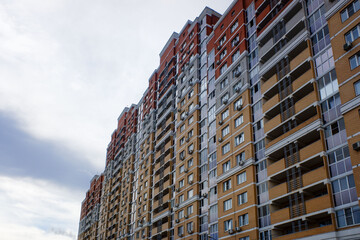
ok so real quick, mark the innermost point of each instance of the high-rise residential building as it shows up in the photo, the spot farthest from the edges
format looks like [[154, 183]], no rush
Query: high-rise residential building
[[249, 129]]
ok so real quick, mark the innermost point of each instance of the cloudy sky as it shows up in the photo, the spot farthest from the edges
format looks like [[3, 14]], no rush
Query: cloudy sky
[[67, 69]]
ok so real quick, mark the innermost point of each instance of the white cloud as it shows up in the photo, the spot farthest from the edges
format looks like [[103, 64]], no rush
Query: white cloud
[[34, 209], [68, 68]]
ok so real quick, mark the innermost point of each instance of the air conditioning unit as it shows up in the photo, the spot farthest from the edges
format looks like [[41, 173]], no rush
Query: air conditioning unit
[[179, 110], [238, 229], [186, 216], [219, 47], [218, 62], [186, 170], [225, 101], [176, 205], [241, 163], [204, 195], [187, 139], [356, 146], [231, 231], [239, 107], [186, 113], [347, 46], [220, 139], [221, 122], [190, 231], [191, 151], [178, 189], [177, 220], [191, 182], [181, 235]]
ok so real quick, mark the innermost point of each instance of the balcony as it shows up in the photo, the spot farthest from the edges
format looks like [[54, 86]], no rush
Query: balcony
[[278, 190], [271, 103], [306, 101], [314, 176], [265, 86], [301, 57], [318, 204], [272, 123], [280, 215], [276, 167], [311, 150]]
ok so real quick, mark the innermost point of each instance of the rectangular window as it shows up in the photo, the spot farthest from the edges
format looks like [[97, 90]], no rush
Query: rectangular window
[[180, 230], [350, 10], [235, 56], [348, 216], [239, 139], [224, 114], [211, 114], [234, 26], [243, 220], [241, 178], [227, 204], [353, 34], [242, 198], [223, 68], [226, 148], [222, 40], [328, 85], [225, 131], [225, 98], [224, 83], [223, 54], [181, 183], [324, 62], [344, 190], [239, 121], [190, 193], [226, 166], [355, 61], [357, 88], [181, 198], [238, 104], [227, 185], [240, 158], [228, 225], [181, 214], [190, 210]]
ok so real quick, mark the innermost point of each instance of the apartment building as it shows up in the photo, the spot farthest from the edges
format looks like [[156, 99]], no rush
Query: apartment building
[[90, 209], [249, 129]]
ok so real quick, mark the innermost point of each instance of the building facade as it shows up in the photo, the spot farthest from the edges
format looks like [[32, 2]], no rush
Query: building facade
[[249, 129]]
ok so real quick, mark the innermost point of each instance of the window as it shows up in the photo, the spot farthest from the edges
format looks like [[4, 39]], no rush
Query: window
[[223, 68], [328, 84], [227, 225], [191, 107], [235, 41], [181, 214], [243, 220], [236, 72], [235, 56], [182, 128], [344, 190], [181, 183], [245, 238], [357, 88], [317, 20], [213, 191], [225, 98], [226, 148], [211, 114], [190, 163], [182, 103], [213, 229], [222, 40], [324, 62], [353, 34], [234, 26], [190, 210], [225, 131], [182, 169], [190, 227], [181, 198], [239, 139], [239, 121], [350, 10], [223, 54], [224, 114], [242, 198], [348, 216], [238, 104], [355, 61], [227, 204], [190, 178], [182, 141], [226, 166], [180, 230], [191, 120], [320, 40], [339, 161], [224, 83], [241, 178], [227, 185], [190, 133], [190, 193], [191, 93], [240, 157]]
